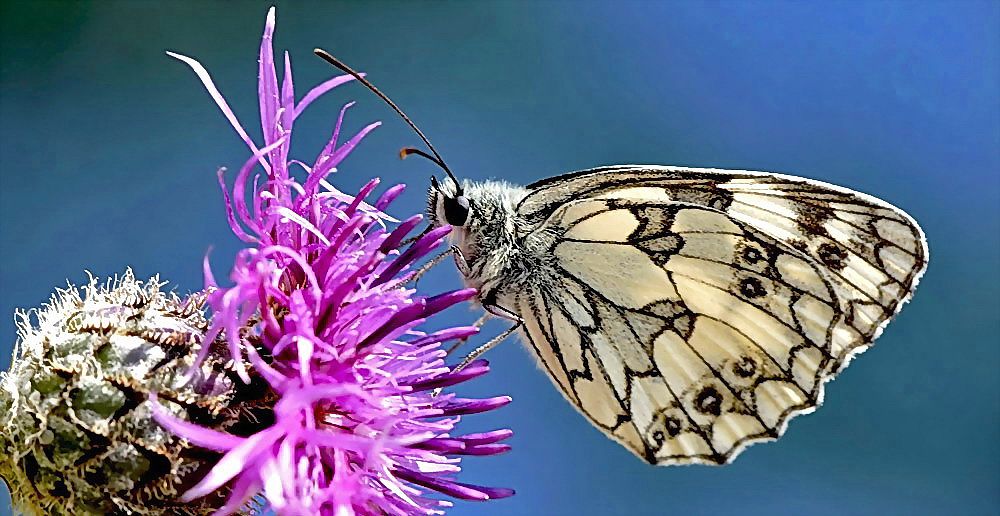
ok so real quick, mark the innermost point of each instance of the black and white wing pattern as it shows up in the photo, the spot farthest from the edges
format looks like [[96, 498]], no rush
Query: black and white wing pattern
[[695, 312], [872, 253]]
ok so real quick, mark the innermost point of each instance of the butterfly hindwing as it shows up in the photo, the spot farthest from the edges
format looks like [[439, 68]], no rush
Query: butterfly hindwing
[[682, 332]]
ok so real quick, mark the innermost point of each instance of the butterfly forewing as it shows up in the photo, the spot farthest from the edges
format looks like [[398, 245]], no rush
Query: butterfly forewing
[[696, 311], [871, 252]]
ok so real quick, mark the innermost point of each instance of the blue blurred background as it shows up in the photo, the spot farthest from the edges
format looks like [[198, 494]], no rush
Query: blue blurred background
[[108, 152]]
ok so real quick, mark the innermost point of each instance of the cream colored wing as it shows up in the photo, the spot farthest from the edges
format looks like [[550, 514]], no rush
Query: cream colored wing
[[871, 252], [679, 331]]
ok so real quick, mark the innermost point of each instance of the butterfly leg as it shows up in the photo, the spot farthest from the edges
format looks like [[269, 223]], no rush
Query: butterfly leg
[[486, 347], [482, 349], [501, 312], [493, 309], [478, 324], [427, 267], [414, 238], [460, 261]]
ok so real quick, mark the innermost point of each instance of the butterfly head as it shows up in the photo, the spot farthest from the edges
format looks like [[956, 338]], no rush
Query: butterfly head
[[448, 203], [473, 207], [482, 216]]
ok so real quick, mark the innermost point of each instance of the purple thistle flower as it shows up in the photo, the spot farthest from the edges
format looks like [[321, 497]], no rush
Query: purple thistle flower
[[320, 310]]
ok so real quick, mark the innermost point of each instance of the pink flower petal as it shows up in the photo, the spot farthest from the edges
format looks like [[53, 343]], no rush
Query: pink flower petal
[[233, 224], [233, 463], [267, 86], [199, 436], [220, 101], [320, 89]]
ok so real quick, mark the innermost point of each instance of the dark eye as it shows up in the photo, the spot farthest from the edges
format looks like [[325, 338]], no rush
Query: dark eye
[[456, 210]]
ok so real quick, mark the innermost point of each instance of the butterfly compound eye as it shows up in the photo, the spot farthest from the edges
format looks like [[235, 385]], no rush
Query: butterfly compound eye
[[456, 210]]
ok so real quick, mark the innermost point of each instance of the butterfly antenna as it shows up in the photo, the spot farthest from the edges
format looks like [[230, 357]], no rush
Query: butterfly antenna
[[406, 151]]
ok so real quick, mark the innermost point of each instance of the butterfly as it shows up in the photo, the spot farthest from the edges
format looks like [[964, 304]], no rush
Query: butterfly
[[685, 312]]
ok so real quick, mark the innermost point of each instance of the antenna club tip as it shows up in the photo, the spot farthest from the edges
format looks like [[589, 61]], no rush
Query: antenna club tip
[[406, 151], [326, 56]]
